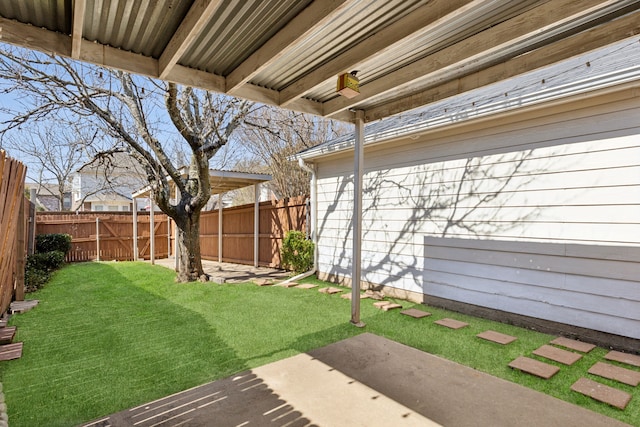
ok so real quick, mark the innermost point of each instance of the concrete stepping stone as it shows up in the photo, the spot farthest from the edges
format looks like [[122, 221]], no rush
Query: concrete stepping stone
[[263, 282], [349, 296], [618, 356], [330, 290], [11, 351], [307, 286], [451, 323], [381, 304], [287, 285], [415, 313], [386, 305], [391, 306], [534, 367], [22, 306], [602, 393], [497, 337], [617, 373], [573, 344], [557, 354], [378, 296], [7, 334]]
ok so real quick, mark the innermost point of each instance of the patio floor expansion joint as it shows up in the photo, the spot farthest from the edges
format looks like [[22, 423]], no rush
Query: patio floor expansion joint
[[451, 323], [557, 354], [580, 346], [496, 337], [617, 373], [603, 393], [618, 356]]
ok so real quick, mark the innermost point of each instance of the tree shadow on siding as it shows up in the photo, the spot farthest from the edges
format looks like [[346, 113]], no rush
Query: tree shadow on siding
[[467, 197]]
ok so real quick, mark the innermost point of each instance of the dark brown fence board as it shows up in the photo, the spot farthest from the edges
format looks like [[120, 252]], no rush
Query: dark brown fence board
[[12, 223]]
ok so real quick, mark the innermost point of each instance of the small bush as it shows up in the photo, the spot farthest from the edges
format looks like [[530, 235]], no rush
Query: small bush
[[34, 279], [53, 242], [47, 261], [297, 252]]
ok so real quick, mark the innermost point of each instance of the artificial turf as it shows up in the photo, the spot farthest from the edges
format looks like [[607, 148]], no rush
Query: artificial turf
[[109, 336]]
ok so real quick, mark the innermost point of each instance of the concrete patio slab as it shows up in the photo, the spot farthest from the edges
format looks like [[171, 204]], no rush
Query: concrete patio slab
[[224, 272], [366, 380]]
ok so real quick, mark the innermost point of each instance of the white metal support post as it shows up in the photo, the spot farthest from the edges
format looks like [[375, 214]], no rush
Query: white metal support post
[[135, 229], [256, 224], [220, 227], [357, 219], [152, 236]]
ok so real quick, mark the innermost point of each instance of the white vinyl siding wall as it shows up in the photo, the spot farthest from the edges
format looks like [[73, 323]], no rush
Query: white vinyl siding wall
[[572, 178]]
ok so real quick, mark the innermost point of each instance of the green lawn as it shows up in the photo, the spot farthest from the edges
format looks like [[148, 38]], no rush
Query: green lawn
[[109, 336]]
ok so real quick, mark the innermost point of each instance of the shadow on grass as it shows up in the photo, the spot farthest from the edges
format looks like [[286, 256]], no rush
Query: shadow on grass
[[105, 337]]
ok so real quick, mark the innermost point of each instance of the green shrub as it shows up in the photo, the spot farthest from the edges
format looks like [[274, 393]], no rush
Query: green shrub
[[297, 252], [47, 261], [53, 242], [34, 279]]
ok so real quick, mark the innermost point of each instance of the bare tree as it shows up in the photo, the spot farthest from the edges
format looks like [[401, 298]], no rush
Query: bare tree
[[275, 135], [131, 111], [52, 153]]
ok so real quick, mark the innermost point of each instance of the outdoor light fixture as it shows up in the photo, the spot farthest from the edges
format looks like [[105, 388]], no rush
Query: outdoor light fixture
[[348, 84]]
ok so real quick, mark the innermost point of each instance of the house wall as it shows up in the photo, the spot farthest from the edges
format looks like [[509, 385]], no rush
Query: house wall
[[536, 213]]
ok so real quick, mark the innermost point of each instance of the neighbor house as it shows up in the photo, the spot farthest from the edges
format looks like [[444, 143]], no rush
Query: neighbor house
[[108, 186], [520, 201], [46, 197]]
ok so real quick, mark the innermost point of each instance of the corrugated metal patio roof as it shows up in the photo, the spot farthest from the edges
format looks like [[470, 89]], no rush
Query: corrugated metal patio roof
[[289, 52]]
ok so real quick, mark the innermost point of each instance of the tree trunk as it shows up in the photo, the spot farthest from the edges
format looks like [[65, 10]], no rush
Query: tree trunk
[[190, 261]]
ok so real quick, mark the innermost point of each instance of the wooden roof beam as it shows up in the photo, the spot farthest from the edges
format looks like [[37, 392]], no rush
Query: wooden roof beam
[[422, 20], [79, 7], [47, 41], [598, 37], [314, 16], [190, 28], [488, 46]]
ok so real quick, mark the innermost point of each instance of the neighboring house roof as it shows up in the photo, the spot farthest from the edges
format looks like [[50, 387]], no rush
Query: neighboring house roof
[[109, 196], [613, 65], [48, 202]]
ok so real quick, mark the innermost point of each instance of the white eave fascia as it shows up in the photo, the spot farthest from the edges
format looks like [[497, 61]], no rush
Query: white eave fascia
[[620, 80]]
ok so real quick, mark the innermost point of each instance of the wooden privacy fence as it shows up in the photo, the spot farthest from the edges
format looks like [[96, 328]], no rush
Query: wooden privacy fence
[[105, 236], [275, 219], [108, 236], [14, 209]]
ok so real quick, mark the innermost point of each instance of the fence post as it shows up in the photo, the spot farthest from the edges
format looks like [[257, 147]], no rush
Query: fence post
[[97, 239], [20, 252]]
